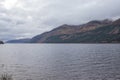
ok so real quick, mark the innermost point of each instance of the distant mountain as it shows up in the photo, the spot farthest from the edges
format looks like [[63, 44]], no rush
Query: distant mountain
[[19, 41], [105, 31], [1, 42]]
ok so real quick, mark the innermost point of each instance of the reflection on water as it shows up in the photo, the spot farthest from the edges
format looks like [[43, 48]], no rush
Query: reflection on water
[[61, 61]]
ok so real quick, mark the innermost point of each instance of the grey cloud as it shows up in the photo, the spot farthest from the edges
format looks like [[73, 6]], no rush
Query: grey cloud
[[28, 18]]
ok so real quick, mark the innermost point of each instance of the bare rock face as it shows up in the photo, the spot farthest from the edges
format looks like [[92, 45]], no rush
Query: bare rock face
[[1, 42]]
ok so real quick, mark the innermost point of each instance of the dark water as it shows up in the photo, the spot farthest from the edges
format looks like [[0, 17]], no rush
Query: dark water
[[61, 61]]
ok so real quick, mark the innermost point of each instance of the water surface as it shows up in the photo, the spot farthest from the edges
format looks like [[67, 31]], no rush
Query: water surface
[[61, 61]]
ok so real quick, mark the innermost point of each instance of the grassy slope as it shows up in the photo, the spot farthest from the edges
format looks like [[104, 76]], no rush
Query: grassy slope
[[99, 35]]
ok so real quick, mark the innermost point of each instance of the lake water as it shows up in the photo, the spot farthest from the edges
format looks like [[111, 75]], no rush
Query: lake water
[[61, 61]]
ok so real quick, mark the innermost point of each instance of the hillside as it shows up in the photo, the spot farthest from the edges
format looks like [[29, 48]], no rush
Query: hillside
[[105, 31]]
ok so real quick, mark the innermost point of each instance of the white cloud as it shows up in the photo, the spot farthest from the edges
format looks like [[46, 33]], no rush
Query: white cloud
[[8, 4]]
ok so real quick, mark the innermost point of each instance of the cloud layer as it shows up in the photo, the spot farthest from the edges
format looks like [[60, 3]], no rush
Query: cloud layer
[[27, 18]]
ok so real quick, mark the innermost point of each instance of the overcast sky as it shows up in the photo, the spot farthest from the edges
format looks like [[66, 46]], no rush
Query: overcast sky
[[27, 18]]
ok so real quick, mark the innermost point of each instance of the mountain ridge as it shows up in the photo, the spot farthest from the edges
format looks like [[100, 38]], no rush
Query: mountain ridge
[[96, 31], [26, 40], [71, 33]]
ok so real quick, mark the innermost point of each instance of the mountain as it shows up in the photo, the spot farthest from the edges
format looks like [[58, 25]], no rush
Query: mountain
[[104, 31], [1, 42], [97, 31], [27, 40], [116, 23]]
